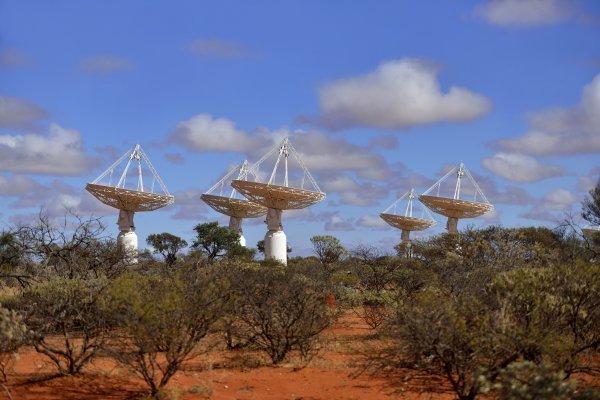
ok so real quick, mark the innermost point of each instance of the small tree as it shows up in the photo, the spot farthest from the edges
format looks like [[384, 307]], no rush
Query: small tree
[[455, 340], [591, 206], [73, 247], [67, 308], [167, 245], [11, 258], [328, 249], [260, 246], [279, 311], [214, 240], [162, 319], [13, 334]]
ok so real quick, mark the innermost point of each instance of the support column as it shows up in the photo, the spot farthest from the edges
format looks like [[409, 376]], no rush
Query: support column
[[235, 225], [275, 239], [406, 245], [405, 236], [452, 225], [127, 240]]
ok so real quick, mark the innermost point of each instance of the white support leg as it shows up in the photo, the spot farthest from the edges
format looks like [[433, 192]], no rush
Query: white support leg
[[452, 225], [405, 236], [235, 225], [127, 239], [275, 239]]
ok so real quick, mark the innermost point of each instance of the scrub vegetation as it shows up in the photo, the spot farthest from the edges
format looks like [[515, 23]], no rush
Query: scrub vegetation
[[511, 313]]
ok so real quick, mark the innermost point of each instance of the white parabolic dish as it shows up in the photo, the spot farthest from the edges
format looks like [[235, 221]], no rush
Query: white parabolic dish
[[127, 199], [277, 197]]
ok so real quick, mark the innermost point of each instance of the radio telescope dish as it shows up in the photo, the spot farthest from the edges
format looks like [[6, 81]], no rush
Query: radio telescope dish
[[591, 231], [237, 209], [407, 223], [130, 201], [277, 198], [456, 208]]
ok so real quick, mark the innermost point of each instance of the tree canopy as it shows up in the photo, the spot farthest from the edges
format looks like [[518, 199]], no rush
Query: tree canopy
[[214, 240], [167, 245]]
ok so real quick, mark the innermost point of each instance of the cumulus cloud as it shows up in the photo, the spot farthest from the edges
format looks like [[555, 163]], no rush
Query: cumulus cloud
[[524, 13], [320, 152], [558, 199], [337, 223], [21, 114], [204, 133], [217, 48], [587, 183], [57, 199], [520, 167], [104, 64], [17, 185], [553, 206], [372, 222], [188, 205], [563, 131], [58, 153], [11, 58], [398, 94]]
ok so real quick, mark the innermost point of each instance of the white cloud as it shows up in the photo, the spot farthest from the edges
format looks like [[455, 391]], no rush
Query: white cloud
[[557, 200], [188, 205], [372, 221], [524, 12], [58, 198], [337, 223], [203, 132], [520, 167], [587, 183], [320, 152], [563, 131], [17, 185], [217, 48], [553, 206], [58, 153], [398, 94], [19, 113], [104, 64]]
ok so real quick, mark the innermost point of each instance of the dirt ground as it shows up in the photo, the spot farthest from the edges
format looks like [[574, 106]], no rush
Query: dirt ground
[[218, 374]]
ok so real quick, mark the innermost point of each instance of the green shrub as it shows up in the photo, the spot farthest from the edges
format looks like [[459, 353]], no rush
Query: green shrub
[[162, 319]]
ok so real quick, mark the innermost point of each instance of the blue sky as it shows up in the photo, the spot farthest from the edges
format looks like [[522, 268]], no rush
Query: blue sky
[[378, 96]]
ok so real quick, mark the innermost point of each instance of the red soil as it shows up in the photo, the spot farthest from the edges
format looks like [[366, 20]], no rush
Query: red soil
[[220, 374]]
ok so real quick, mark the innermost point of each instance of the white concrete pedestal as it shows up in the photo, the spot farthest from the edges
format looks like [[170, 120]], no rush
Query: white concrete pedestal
[[275, 239], [127, 239]]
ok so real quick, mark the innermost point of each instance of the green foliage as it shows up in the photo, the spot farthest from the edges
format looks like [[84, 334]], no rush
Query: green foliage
[[591, 206], [241, 252], [279, 311], [162, 318], [13, 334], [214, 240], [10, 256], [453, 339], [529, 381], [167, 245], [555, 314], [67, 308], [260, 246], [328, 249]]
